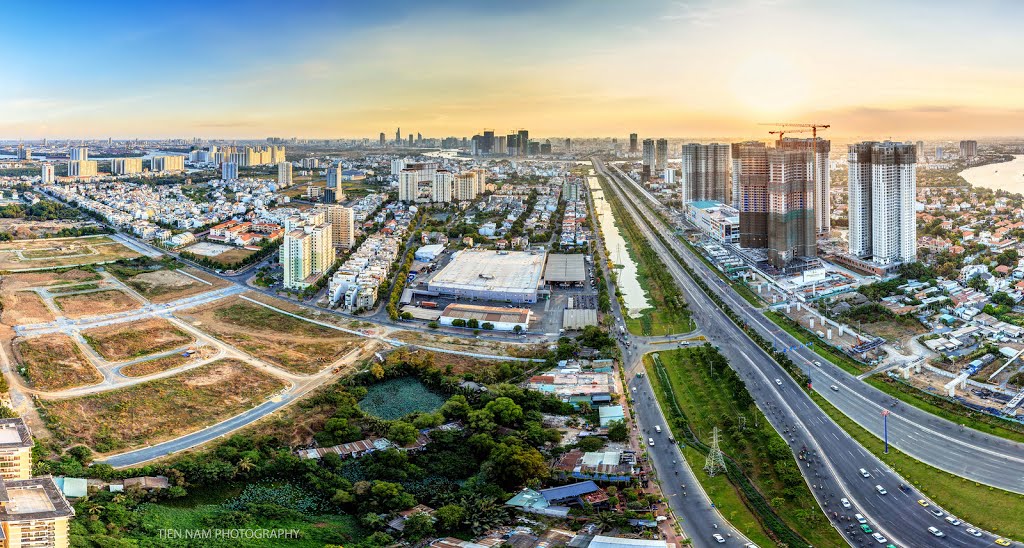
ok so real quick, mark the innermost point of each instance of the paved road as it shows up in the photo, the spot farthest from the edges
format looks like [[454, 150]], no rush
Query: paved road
[[832, 471], [938, 442]]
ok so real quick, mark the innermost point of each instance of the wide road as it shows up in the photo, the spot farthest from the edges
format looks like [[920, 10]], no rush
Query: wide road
[[832, 471], [966, 452]]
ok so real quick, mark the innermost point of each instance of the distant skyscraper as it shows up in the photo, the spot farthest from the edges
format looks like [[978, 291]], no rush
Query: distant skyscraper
[[660, 155], [512, 144], [938, 153], [776, 196], [24, 152], [822, 205], [126, 166], [167, 163], [398, 136], [487, 143], [229, 171], [705, 173], [523, 140], [883, 186], [568, 144], [382, 139], [47, 175], [647, 164], [342, 225], [410, 139], [968, 150], [82, 168], [334, 177], [442, 187], [632, 143], [920, 150], [284, 174], [79, 153]]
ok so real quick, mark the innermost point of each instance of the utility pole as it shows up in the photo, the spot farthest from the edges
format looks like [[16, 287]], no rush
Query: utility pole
[[715, 461], [885, 428]]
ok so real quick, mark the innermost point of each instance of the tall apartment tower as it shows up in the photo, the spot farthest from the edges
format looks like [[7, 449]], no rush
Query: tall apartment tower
[[382, 142], [126, 166], [632, 143], [342, 220], [229, 171], [750, 191], [883, 186], [822, 174], [660, 155], [705, 174], [47, 175], [968, 150], [920, 149], [79, 153], [412, 181], [284, 175], [441, 187], [523, 140], [33, 511], [334, 177], [307, 248], [647, 165], [167, 163]]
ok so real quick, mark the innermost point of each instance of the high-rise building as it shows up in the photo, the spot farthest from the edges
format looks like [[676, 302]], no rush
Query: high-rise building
[[47, 175], [229, 171], [307, 249], [523, 140], [632, 143], [15, 449], [487, 142], [415, 181], [705, 173], [126, 166], [776, 200], [79, 153], [382, 143], [284, 175], [410, 139], [647, 165], [33, 511], [334, 177], [24, 152], [938, 153], [342, 220], [441, 186], [83, 168], [920, 150], [883, 186], [398, 136], [468, 186], [968, 150], [568, 144], [167, 163], [501, 144], [512, 144], [660, 155], [822, 177]]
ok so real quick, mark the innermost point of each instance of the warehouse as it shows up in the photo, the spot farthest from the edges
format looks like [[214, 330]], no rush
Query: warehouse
[[503, 319], [565, 270], [507, 276]]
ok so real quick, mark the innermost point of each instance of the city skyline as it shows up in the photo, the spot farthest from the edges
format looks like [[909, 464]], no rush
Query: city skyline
[[246, 74]]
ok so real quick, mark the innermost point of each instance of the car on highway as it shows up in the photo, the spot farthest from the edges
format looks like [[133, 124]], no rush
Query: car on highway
[[718, 538], [860, 518], [864, 473], [936, 512], [1003, 542], [778, 382], [866, 528], [845, 501], [650, 441], [834, 388], [923, 502], [974, 531], [935, 531], [953, 521], [657, 428], [817, 363], [879, 538], [881, 490]]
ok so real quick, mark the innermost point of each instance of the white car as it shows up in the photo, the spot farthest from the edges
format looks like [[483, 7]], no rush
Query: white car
[[860, 519], [936, 532], [879, 538], [881, 490], [953, 521], [817, 363], [974, 531], [778, 382], [845, 501], [718, 538], [650, 441], [864, 473]]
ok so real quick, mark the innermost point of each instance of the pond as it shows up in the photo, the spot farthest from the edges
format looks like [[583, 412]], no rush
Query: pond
[[633, 294], [396, 398]]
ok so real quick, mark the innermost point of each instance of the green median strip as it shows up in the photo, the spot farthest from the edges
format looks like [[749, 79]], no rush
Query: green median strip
[[987, 507]]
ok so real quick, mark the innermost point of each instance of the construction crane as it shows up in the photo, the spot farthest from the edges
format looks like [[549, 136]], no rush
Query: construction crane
[[803, 128], [782, 132], [812, 127]]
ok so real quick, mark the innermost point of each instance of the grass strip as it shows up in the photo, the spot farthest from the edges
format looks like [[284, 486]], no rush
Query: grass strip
[[820, 347]]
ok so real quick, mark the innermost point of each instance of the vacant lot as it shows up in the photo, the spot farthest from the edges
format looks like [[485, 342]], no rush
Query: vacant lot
[[55, 253], [125, 341], [162, 409], [164, 285], [54, 362], [21, 306], [95, 304], [154, 366], [293, 344], [24, 307]]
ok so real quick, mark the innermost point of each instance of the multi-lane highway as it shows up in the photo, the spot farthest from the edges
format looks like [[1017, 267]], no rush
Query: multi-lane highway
[[833, 470], [938, 442]]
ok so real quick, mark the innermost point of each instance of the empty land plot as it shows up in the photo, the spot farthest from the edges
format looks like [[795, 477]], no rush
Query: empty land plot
[[24, 307], [164, 285], [56, 253], [95, 303], [291, 343], [54, 362], [154, 366], [124, 341], [161, 409]]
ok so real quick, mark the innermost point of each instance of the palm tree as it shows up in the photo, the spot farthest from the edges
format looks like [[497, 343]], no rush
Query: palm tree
[[245, 464]]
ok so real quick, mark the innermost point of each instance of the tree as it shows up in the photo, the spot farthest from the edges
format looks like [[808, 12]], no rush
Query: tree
[[473, 323], [459, 322], [517, 329], [505, 411], [512, 464], [427, 420], [487, 326], [433, 325], [402, 433], [418, 526], [450, 516], [617, 431], [1002, 299], [377, 371], [590, 444], [406, 315], [456, 408]]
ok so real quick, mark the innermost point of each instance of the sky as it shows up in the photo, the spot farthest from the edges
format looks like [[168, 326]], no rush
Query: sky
[[332, 69]]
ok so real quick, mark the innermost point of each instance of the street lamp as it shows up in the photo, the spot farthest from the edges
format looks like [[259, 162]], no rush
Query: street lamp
[[885, 429]]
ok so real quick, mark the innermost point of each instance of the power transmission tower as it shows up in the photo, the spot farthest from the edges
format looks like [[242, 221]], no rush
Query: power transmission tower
[[715, 462]]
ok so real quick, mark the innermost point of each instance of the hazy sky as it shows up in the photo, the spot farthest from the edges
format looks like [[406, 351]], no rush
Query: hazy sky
[[589, 67]]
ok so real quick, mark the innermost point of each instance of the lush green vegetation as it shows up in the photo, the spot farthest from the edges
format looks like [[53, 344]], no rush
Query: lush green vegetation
[[949, 409], [395, 398], [708, 393], [43, 210], [992, 509], [670, 312]]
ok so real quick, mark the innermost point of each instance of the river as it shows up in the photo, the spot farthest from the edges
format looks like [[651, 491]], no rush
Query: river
[[633, 295], [1008, 176]]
